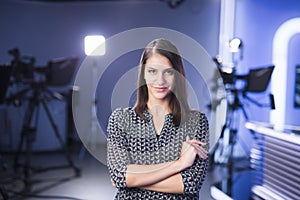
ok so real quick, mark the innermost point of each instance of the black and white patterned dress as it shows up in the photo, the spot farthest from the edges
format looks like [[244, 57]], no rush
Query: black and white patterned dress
[[132, 140]]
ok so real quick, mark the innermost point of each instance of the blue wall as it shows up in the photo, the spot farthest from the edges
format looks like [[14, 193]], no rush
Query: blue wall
[[51, 30]]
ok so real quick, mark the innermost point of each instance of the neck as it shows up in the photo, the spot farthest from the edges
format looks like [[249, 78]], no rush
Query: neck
[[158, 107]]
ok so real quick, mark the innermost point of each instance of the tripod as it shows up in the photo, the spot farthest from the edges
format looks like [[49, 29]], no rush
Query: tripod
[[223, 154], [39, 95]]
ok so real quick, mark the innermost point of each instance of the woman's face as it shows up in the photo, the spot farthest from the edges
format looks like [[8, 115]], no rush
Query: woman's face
[[159, 76]]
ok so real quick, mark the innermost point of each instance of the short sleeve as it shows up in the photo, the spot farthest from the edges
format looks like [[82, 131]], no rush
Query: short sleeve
[[194, 176], [117, 156]]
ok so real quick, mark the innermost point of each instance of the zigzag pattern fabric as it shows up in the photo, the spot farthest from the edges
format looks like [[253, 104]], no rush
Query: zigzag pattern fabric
[[132, 140]]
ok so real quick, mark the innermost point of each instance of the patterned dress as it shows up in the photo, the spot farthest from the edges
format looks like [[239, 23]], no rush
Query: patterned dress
[[132, 140]]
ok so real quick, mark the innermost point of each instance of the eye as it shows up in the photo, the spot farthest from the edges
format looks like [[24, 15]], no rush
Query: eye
[[170, 72], [151, 71]]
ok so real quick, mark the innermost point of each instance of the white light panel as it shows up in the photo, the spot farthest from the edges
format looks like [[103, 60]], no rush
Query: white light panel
[[94, 45]]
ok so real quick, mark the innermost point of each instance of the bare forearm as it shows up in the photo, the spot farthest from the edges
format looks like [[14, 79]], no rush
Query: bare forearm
[[146, 175], [172, 184]]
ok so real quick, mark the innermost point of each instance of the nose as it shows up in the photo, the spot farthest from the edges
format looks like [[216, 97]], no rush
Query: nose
[[161, 79]]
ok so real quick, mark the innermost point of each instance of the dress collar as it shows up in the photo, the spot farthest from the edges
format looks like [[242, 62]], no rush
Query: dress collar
[[149, 115]]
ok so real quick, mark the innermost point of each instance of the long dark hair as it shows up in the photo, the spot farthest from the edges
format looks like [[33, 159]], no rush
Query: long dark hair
[[178, 101]]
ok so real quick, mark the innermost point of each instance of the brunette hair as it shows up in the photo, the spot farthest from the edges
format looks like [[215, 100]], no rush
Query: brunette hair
[[178, 101]]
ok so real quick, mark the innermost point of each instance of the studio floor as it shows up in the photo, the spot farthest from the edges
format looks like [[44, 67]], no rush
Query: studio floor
[[93, 182]]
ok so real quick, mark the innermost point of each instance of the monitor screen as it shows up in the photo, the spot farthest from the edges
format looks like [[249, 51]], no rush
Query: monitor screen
[[297, 87]]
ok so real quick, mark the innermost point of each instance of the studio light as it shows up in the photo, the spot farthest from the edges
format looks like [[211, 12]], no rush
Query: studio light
[[94, 45], [235, 45]]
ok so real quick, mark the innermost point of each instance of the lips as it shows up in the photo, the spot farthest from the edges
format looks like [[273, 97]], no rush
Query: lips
[[160, 89]]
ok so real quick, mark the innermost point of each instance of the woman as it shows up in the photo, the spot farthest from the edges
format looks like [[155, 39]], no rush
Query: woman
[[158, 149]]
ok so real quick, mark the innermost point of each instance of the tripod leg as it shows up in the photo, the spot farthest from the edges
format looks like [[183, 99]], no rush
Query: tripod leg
[[3, 193], [246, 117], [218, 152], [28, 136], [3, 167], [65, 150], [20, 145], [232, 143]]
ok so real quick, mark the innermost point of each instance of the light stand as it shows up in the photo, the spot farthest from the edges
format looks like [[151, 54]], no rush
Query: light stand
[[94, 48], [93, 132]]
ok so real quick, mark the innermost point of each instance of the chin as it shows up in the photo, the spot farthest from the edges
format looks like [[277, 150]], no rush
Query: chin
[[161, 96]]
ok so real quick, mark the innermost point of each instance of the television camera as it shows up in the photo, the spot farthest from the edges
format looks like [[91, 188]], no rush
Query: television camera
[[28, 83], [237, 87], [28, 77]]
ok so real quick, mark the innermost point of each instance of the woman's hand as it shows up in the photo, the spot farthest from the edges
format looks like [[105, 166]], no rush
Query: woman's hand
[[113, 183], [199, 146], [188, 153], [190, 149]]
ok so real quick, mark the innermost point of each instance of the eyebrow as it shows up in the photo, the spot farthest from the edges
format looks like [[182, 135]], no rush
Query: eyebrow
[[165, 70], [149, 66]]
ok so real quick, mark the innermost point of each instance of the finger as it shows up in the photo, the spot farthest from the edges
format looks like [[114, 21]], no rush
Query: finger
[[113, 183], [197, 142], [200, 151], [202, 155], [187, 138], [198, 147]]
